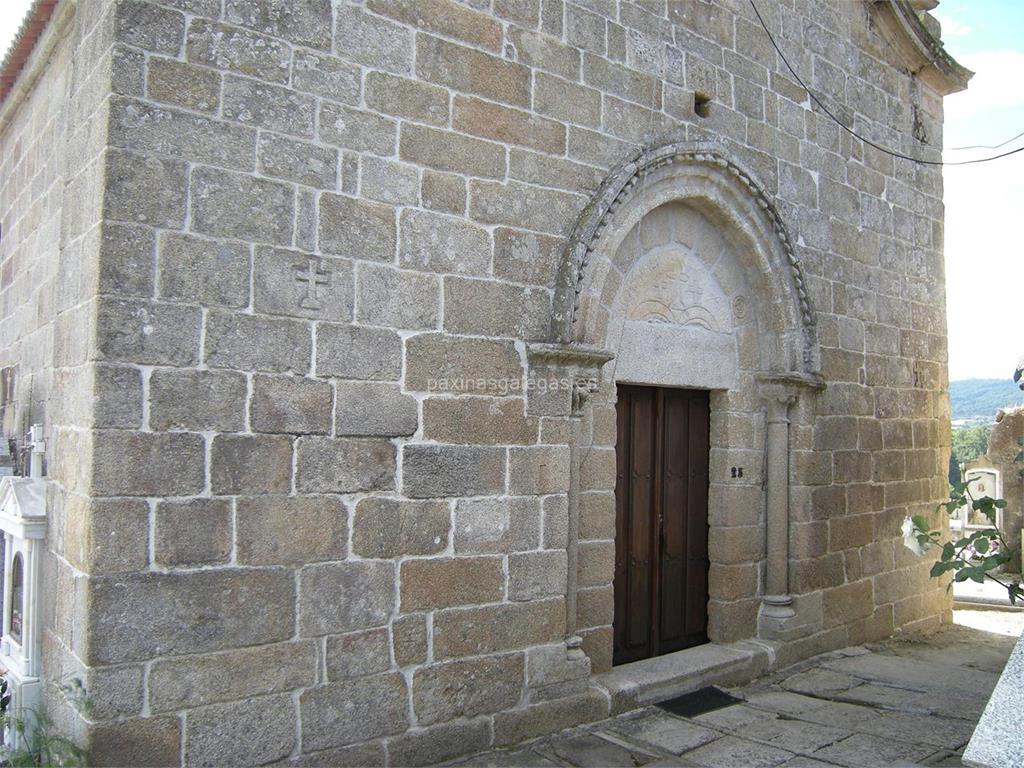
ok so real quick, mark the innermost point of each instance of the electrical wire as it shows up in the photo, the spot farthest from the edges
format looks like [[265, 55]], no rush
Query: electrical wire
[[852, 132], [988, 146]]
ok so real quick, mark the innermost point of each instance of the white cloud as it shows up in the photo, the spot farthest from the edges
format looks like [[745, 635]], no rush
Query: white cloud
[[12, 12], [951, 28], [996, 84]]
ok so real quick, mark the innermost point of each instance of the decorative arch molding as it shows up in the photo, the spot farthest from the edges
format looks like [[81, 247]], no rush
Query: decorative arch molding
[[708, 161]]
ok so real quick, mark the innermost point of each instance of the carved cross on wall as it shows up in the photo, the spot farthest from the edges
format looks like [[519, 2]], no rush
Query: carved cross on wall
[[312, 275]]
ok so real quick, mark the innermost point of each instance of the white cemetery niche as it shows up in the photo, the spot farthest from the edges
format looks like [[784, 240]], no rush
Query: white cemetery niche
[[981, 482], [23, 522]]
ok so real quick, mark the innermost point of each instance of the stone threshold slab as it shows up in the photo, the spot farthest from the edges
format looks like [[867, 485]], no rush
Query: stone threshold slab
[[642, 683], [997, 740]]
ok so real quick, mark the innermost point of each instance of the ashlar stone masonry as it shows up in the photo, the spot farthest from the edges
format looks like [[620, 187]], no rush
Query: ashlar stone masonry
[[324, 304]]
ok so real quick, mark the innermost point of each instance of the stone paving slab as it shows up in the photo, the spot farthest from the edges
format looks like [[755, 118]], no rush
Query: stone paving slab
[[912, 701]]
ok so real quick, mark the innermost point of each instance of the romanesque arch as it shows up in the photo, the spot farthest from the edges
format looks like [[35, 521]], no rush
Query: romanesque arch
[[682, 273], [705, 179]]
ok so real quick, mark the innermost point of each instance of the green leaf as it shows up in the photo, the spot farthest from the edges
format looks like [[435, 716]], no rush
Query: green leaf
[[981, 545], [948, 551]]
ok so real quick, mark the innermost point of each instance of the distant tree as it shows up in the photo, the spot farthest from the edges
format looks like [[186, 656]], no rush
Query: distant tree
[[954, 470], [969, 443]]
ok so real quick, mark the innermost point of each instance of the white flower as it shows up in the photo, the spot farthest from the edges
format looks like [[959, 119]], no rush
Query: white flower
[[910, 538]]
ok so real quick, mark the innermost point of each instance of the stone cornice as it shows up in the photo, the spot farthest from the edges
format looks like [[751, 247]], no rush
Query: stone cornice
[[924, 55], [568, 354]]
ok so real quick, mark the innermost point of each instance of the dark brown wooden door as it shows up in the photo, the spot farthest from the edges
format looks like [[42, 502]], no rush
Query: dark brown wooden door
[[661, 521]]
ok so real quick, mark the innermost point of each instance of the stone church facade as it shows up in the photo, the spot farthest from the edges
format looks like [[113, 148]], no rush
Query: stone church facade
[[327, 307]]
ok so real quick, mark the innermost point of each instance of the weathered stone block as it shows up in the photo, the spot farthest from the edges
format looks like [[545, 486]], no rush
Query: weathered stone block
[[508, 126], [428, 584], [438, 243], [536, 720], [297, 161], [117, 397], [239, 608], [248, 342], [442, 692], [597, 515], [355, 352], [290, 404], [411, 99], [357, 229], [596, 564], [326, 76], [250, 464], [149, 741], [144, 127], [397, 299], [449, 470], [149, 27], [290, 530], [147, 464], [106, 535], [243, 207], [200, 271], [568, 101], [391, 528], [491, 308], [342, 597], [126, 260], [356, 129], [197, 400], [409, 639], [497, 525], [443, 192], [445, 18], [195, 681], [389, 182], [461, 365], [183, 85], [848, 602], [344, 465], [556, 521], [452, 152], [494, 628], [439, 743], [300, 284], [272, 107], [520, 205], [307, 23], [240, 733], [536, 575], [471, 71], [526, 257], [144, 189], [193, 532], [352, 711], [148, 332], [371, 40], [595, 607], [357, 654], [539, 469], [237, 50], [478, 420], [373, 409]]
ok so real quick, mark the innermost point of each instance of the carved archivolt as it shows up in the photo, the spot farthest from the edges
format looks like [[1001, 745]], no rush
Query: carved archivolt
[[622, 184]]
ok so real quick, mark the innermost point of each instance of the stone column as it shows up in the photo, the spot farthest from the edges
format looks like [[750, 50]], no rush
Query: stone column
[[580, 365], [779, 392], [777, 600]]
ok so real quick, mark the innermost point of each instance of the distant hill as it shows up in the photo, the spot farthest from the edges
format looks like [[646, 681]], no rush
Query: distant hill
[[981, 398]]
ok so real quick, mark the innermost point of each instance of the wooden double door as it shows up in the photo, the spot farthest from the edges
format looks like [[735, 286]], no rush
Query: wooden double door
[[661, 526]]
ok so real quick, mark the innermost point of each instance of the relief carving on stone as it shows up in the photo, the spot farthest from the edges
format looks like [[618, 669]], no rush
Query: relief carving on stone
[[673, 287]]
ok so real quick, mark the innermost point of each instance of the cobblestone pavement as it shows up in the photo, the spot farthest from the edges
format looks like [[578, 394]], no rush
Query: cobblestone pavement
[[909, 701]]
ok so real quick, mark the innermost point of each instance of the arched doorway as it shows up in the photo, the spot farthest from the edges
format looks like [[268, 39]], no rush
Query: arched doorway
[[682, 272]]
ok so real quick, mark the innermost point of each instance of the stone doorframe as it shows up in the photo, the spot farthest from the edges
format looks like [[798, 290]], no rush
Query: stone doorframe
[[703, 177]]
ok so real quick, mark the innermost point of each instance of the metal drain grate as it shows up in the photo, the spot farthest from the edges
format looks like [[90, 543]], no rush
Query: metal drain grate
[[698, 702]]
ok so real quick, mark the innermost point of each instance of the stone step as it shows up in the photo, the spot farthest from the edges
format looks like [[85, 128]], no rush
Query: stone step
[[641, 683]]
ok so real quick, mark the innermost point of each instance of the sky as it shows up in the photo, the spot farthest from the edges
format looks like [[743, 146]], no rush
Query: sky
[[984, 203]]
